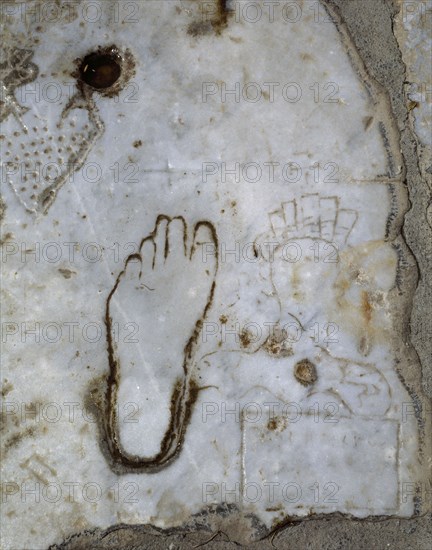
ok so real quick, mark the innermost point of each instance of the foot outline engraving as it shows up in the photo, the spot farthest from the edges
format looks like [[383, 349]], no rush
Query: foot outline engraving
[[143, 274]]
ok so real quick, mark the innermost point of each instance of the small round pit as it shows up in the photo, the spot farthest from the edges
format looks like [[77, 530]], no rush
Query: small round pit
[[100, 70]]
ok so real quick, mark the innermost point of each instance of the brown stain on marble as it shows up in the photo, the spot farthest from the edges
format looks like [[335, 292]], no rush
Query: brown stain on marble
[[277, 424], [212, 22], [366, 307], [277, 345], [6, 388], [245, 338], [361, 300], [66, 273], [305, 372], [7, 237], [15, 439]]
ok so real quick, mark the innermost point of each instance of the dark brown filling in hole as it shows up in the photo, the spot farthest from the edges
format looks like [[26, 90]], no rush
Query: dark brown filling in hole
[[100, 70]]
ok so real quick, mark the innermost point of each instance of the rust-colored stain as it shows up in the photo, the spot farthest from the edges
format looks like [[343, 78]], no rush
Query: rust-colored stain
[[211, 22], [366, 306], [277, 423], [245, 338], [305, 372]]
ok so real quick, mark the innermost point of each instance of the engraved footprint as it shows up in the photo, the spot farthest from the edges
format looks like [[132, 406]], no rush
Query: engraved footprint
[[165, 292], [307, 233]]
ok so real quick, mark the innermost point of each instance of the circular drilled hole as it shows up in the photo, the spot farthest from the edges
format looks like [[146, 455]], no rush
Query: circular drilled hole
[[100, 70]]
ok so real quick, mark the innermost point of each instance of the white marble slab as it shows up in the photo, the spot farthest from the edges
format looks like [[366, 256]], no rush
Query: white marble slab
[[204, 296]]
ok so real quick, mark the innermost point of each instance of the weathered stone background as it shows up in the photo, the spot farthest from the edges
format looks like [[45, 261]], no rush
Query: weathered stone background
[[375, 27]]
